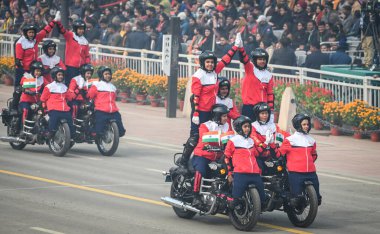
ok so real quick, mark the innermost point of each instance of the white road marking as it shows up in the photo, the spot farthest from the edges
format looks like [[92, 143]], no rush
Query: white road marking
[[86, 157], [46, 230], [348, 178]]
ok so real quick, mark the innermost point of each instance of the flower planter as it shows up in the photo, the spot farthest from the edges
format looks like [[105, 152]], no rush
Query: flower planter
[[141, 99], [276, 116], [7, 80], [154, 100], [124, 96], [357, 133], [375, 136], [317, 124], [335, 131], [181, 104], [166, 104]]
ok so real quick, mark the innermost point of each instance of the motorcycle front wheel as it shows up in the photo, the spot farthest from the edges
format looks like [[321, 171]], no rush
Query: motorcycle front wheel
[[181, 190], [59, 144], [109, 142], [245, 217], [304, 216], [16, 146]]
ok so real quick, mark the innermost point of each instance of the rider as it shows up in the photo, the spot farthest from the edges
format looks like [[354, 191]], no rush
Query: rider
[[54, 98], [265, 133], [243, 169], [301, 152], [79, 87], [104, 95], [49, 59], [258, 82], [222, 98], [209, 134], [204, 88]]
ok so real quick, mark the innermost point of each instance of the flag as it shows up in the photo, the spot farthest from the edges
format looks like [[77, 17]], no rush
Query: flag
[[279, 138], [29, 83], [226, 136], [211, 137]]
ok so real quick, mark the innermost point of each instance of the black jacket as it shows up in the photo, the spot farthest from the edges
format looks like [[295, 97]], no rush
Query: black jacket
[[315, 60], [283, 56]]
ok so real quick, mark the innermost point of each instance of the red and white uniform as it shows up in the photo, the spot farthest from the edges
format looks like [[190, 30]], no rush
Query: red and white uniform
[[49, 63], [27, 51], [209, 126], [78, 83], [301, 152], [257, 84], [234, 113], [55, 96], [31, 84], [104, 94], [243, 153], [205, 84], [77, 48]]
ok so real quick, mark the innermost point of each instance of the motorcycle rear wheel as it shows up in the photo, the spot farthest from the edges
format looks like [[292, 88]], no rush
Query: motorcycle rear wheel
[[110, 138], [59, 144], [177, 190], [297, 217], [245, 219]]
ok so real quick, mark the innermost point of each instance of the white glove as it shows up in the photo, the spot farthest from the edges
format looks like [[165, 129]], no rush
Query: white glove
[[57, 16], [271, 118], [195, 120], [268, 137], [238, 40]]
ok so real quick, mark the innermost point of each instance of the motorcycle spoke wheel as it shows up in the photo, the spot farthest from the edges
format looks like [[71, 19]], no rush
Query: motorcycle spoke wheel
[[59, 144], [181, 190], [109, 142]]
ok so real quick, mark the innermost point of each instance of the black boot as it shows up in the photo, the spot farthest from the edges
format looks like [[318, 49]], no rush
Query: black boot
[[16, 99], [187, 151]]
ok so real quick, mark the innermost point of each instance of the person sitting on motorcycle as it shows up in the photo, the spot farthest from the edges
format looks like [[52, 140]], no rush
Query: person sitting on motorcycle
[[301, 152], [79, 87], [104, 95], [49, 59], [222, 98], [54, 98], [241, 154], [209, 135], [265, 133], [31, 85]]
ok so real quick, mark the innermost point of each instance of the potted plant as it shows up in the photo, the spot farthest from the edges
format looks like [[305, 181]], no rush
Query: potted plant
[[332, 112], [370, 121], [181, 89], [155, 86], [278, 90], [235, 93], [120, 80], [351, 114], [7, 70]]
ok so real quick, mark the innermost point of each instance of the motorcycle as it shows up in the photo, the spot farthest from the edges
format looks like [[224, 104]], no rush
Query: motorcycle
[[84, 125], [276, 186], [34, 130], [214, 195]]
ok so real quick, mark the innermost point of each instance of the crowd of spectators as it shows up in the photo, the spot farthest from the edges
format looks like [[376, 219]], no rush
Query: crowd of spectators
[[281, 27]]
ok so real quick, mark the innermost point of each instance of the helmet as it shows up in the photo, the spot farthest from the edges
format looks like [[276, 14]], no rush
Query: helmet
[[28, 27], [217, 111], [296, 121], [47, 44], [101, 71], [78, 24], [260, 107], [54, 71], [36, 65], [207, 55], [85, 68], [259, 53], [224, 82], [238, 125]]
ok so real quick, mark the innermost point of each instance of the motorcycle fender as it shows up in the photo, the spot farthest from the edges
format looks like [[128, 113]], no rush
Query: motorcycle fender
[[307, 183], [63, 121], [112, 120], [251, 186]]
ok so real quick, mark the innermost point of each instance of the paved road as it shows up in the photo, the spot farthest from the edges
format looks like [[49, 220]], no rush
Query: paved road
[[88, 193]]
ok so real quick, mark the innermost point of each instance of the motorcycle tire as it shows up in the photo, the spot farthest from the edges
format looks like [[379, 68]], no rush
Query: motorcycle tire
[[16, 146], [245, 217], [63, 135], [296, 217], [175, 190], [112, 135]]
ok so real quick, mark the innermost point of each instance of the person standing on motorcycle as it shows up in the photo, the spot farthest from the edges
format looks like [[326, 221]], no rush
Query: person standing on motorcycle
[[264, 133], [205, 88], [258, 82], [104, 95], [209, 134], [241, 154], [54, 98], [222, 98], [301, 152], [79, 87], [49, 59]]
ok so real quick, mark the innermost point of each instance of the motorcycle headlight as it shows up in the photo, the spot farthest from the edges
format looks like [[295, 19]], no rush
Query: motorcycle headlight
[[39, 112], [222, 171], [33, 106], [279, 168], [89, 112]]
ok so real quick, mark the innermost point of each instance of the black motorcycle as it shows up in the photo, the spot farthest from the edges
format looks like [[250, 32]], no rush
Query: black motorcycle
[[84, 127], [34, 130], [302, 211], [214, 193]]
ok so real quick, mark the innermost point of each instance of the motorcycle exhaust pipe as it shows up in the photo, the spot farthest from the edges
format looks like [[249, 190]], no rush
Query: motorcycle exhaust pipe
[[179, 204], [12, 139]]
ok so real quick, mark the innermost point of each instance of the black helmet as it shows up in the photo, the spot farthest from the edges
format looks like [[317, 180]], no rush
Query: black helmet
[[207, 55], [36, 65], [85, 68], [78, 24], [296, 121], [238, 125], [101, 71], [217, 111], [260, 107], [28, 27], [47, 44], [259, 53], [224, 82], [54, 71]]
